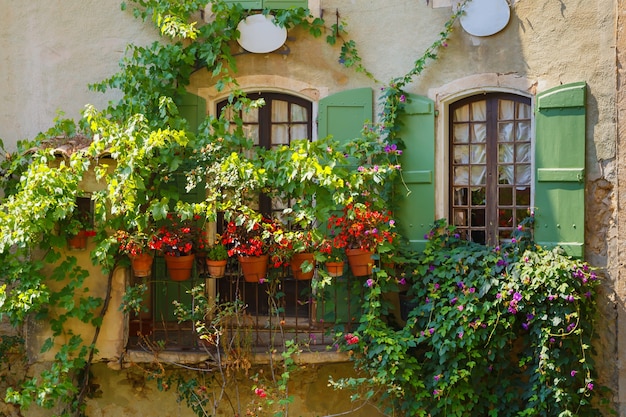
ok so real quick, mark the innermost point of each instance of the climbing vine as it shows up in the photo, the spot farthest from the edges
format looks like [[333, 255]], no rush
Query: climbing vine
[[491, 331]]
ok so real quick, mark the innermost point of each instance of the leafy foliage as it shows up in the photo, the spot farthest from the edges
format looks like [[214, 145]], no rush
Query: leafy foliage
[[503, 331]]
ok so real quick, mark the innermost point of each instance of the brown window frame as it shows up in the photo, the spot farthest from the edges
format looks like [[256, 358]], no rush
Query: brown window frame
[[466, 206]]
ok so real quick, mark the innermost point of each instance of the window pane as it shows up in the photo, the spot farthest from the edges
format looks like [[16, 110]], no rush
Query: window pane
[[461, 154], [478, 217], [522, 196], [460, 217], [522, 152], [298, 132], [298, 113], [460, 196], [505, 218], [505, 153], [478, 175], [251, 116], [478, 236], [523, 111], [505, 132], [480, 133], [479, 154], [505, 174], [522, 174], [461, 114], [505, 196], [461, 133], [252, 132], [523, 132], [279, 111], [479, 196], [461, 176], [506, 110], [280, 135], [479, 111]]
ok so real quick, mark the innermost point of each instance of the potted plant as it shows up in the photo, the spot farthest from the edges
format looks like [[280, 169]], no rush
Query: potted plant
[[250, 237], [333, 257], [79, 226], [178, 240], [361, 230], [136, 246], [304, 244], [216, 259]]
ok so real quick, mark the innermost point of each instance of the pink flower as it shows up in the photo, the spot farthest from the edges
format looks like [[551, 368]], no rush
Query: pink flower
[[260, 392]]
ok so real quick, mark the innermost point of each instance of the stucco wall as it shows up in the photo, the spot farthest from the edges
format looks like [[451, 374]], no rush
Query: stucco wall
[[51, 50]]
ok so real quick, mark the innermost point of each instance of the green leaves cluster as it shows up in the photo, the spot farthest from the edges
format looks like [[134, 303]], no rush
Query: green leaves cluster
[[503, 331]]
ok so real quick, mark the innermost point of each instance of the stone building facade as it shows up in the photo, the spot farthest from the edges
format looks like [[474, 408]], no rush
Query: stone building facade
[[53, 50]]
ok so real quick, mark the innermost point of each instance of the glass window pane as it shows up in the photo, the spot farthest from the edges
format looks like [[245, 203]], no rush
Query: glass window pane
[[478, 196], [280, 135], [505, 132], [478, 236], [522, 175], [506, 110], [523, 111], [460, 196], [479, 175], [461, 154], [251, 116], [522, 196], [505, 153], [479, 111], [504, 234], [298, 113], [505, 196], [480, 132], [252, 132], [461, 114], [478, 217], [298, 132], [505, 174], [280, 111], [523, 132], [505, 218], [520, 215], [479, 154], [461, 133], [461, 176], [522, 153], [460, 217]]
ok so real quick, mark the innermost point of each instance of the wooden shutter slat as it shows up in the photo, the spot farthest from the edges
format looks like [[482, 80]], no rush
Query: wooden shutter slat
[[560, 168]]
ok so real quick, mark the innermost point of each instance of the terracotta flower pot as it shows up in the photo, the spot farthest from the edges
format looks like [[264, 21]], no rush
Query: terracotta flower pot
[[216, 269], [78, 242], [360, 261], [253, 267], [141, 264], [179, 267], [334, 269], [297, 261]]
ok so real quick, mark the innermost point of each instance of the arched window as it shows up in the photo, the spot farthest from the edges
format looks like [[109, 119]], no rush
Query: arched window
[[490, 165], [282, 119]]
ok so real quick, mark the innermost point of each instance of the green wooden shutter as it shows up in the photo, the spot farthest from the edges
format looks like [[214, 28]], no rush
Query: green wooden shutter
[[193, 109], [343, 114], [416, 209], [560, 168], [285, 4], [247, 4]]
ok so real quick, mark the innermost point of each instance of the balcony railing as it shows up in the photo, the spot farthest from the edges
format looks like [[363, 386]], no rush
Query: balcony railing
[[268, 314]]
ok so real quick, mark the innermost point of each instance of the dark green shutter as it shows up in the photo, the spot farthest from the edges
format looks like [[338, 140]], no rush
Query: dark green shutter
[[560, 168], [285, 4], [193, 109], [247, 4], [343, 114], [416, 209]]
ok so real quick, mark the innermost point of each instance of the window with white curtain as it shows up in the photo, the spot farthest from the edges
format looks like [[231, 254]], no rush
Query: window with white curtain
[[490, 165]]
